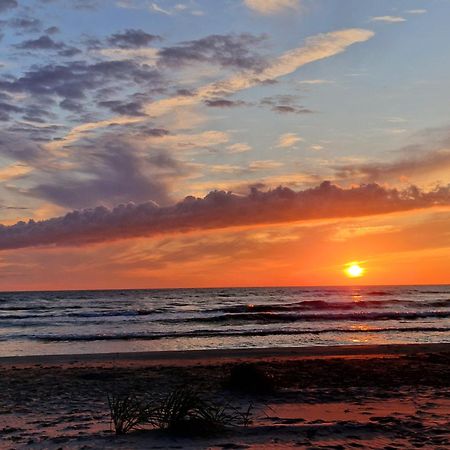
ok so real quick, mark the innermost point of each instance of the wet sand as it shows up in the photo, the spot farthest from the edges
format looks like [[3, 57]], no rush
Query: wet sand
[[389, 396]]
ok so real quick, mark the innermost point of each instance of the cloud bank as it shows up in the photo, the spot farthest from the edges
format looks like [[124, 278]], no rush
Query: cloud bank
[[217, 210]]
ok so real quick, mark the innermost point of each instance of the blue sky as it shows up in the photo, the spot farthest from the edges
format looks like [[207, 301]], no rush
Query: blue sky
[[379, 100]]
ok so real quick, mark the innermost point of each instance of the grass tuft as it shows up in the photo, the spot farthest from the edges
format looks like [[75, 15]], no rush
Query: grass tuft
[[181, 412], [127, 412]]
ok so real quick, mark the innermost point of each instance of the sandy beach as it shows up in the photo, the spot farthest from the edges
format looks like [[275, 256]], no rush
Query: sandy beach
[[388, 396]]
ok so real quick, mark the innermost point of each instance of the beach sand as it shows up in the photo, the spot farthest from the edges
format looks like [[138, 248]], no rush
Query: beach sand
[[389, 396]]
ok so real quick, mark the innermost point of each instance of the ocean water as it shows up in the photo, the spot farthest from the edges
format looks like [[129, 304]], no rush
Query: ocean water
[[38, 323]]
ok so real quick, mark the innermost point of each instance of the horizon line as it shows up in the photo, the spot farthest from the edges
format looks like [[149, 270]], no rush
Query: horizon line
[[351, 286]]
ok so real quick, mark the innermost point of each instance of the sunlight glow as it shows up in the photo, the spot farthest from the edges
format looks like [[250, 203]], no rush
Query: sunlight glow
[[354, 270]]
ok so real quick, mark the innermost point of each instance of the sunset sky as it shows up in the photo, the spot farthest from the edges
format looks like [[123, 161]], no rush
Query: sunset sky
[[195, 143]]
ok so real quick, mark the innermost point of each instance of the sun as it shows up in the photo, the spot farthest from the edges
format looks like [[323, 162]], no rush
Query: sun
[[354, 270]]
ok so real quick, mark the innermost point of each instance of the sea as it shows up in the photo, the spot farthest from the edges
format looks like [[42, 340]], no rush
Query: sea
[[110, 321]]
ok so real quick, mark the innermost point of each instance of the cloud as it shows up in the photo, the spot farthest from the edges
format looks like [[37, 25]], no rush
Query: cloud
[[25, 24], [315, 48], [6, 109], [223, 103], [15, 147], [266, 164], [412, 165], [156, 8], [388, 19], [13, 171], [269, 7], [73, 79], [41, 43], [133, 108], [168, 11], [111, 170], [216, 211], [315, 81], [6, 5], [52, 30], [230, 50], [288, 140], [239, 147], [429, 154], [285, 104], [132, 39], [416, 11]]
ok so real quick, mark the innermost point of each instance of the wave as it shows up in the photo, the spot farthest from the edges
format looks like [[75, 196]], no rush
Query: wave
[[227, 333], [94, 314], [271, 317], [311, 305], [303, 310]]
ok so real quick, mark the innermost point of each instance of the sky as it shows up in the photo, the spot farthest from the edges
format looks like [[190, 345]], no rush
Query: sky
[[200, 143]]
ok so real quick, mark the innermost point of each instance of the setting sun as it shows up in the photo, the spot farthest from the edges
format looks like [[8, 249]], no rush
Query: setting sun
[[354, 270]]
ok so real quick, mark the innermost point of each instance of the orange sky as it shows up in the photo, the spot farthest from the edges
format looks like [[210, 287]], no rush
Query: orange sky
[[398, 248]]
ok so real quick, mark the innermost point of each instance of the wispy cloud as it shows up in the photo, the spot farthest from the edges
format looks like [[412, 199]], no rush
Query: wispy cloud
[[239, 147], [268, 7], [156, 8], [315, 81], [316, 48], [416, 11], [288, 140], [388, 19]]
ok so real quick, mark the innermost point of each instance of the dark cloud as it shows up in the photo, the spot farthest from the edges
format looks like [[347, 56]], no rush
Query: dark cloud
[[43, 42], [285, 104], [223, 103], [14, 146], [231, 50], [72, 80], [185, 92], [217, 210], [37, 113], [413, 165], [52, 30], [69, 52], [33, 133], [6, 5], [111, 170], [286, 109], [125, 108], [155, 132], [430, 153], [132, 39], [25, 24], [71, 105], [6, 109]]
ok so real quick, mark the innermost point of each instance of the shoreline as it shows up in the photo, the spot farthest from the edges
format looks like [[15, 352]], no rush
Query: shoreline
[[208, 356]]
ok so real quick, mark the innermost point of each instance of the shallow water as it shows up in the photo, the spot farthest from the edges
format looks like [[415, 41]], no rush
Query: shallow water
[[34, 323]]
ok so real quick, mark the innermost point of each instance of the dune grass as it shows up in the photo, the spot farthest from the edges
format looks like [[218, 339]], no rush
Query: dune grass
[[181, 411], [127, 412]]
